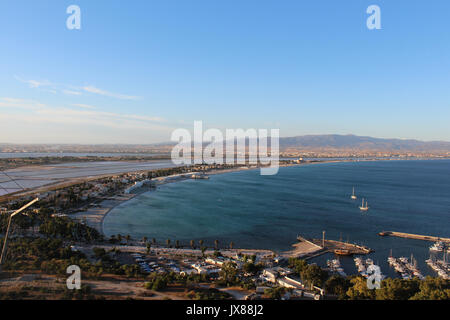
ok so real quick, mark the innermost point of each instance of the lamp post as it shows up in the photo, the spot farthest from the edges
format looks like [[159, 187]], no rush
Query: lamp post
[[323, 239], [9, 225]]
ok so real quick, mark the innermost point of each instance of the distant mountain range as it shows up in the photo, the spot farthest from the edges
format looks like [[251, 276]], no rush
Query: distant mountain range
[[334, 141]]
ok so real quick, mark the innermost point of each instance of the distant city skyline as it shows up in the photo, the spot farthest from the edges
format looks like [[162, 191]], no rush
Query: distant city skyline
[[136, 71]]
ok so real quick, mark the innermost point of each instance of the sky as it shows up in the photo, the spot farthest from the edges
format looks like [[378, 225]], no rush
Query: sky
[[137, 70]]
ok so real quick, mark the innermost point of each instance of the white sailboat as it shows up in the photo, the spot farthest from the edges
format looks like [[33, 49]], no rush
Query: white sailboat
[[364, 207], [353, 194]]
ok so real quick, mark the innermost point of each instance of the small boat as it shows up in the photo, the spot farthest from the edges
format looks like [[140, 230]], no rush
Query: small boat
[[353, 197], [342, 252], [364, 207], [437, 247]]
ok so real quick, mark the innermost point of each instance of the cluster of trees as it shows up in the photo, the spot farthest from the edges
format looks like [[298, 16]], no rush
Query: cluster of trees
[[355, 287], [66, 228], [49, 255], [399, 289], [207, 294], [310, 274], [53, 257], [250, 266], [52, 227], [276, 293]]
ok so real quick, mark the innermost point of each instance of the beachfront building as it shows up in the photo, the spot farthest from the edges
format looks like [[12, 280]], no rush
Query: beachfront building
[[290, 282], [272, 274], [215, 261], [205, 269]]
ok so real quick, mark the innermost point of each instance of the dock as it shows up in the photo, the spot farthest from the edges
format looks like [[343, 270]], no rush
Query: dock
[[307, 249], [332, 245], [413, 236], [304, 249]]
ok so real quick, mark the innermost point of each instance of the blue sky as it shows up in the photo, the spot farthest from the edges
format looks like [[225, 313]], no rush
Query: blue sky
[[139, 69]]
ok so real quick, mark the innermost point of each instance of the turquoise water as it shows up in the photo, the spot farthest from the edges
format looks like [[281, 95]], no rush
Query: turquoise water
[[268, 212]]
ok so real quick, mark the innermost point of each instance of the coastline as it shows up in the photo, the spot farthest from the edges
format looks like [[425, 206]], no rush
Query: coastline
[[96, 215]]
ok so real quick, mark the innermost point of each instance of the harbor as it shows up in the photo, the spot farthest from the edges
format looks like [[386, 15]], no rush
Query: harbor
[[406, 268], [441, 267]]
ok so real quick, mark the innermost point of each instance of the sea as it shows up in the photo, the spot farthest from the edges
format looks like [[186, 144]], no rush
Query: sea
[[269, 212]]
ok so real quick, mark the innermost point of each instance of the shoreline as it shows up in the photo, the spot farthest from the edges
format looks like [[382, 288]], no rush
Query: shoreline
[[96, 215]]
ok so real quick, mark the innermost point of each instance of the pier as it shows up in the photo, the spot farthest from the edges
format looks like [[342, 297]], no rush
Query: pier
[[350, 248], [413, 236], [304, 249], [307, 249]]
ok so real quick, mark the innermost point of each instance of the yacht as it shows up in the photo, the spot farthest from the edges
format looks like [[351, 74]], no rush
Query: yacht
[[364, 207], [353, 194], [437, 247]]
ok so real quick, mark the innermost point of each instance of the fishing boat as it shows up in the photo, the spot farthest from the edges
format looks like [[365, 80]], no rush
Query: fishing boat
[[353, 197], [364, 207]]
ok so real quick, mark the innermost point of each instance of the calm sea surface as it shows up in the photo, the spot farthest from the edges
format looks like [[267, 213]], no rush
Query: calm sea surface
[[268, 212]]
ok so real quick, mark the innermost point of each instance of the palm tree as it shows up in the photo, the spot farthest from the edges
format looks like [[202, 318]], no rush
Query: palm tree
[[168, 242], [203, 251], [231, 245], [153, 241], [192, 244], [119, 237], [201, 243], [128, 237], [177, 244], [144, 239], [216, 244], [148, 248]]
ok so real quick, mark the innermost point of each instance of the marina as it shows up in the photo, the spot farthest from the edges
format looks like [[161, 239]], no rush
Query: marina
[[441, 267], [366, 266], [406, 268], [335, 267]]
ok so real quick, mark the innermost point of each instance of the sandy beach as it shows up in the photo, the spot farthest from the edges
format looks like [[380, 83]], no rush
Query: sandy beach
[[95, 215]]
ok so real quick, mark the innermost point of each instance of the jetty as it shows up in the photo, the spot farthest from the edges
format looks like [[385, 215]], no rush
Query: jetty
[[309, 248], [350, 248], [413, 236], [304, 249]]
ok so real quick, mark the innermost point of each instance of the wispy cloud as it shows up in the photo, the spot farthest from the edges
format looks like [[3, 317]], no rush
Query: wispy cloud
[[34, 83], [92, 89], [73, 90], [84, 106], [14, 103], [43, 113]]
